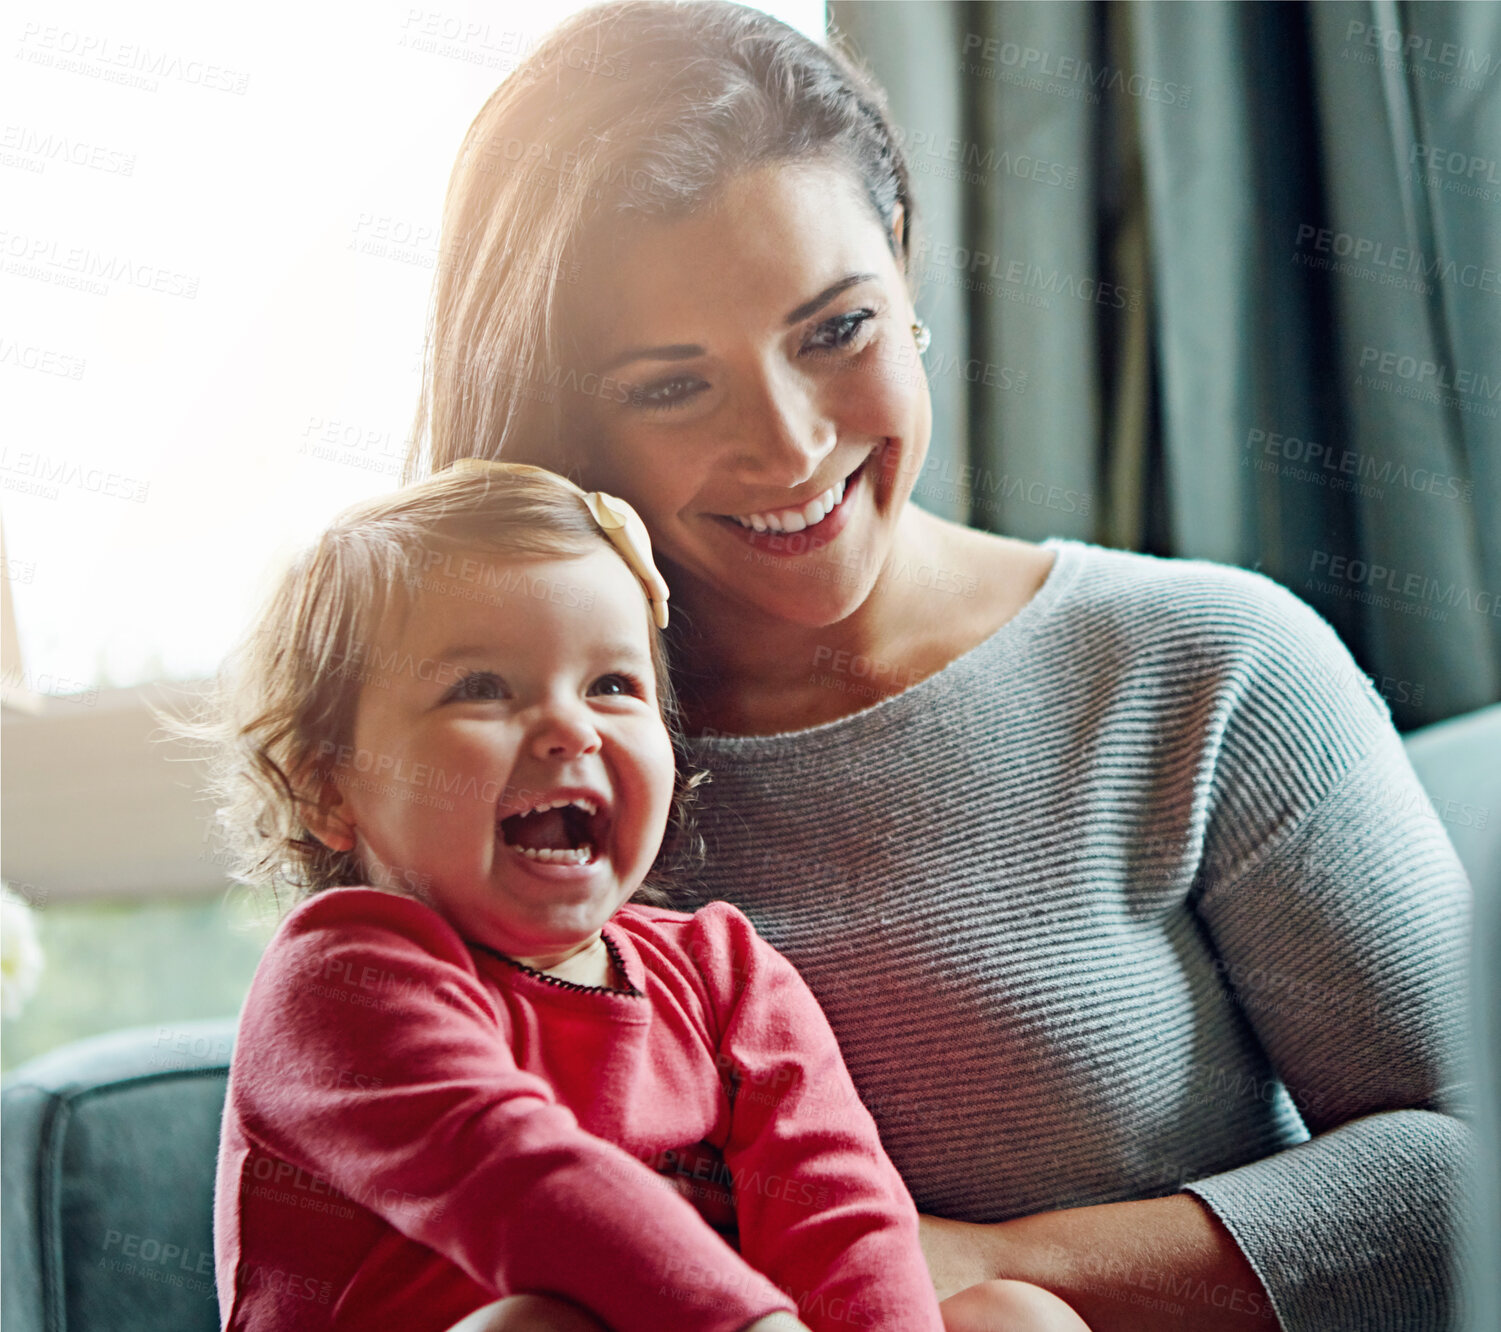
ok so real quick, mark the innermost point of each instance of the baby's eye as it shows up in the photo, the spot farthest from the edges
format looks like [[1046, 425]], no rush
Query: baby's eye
[[839, 332], [481, 686], [619, 684]]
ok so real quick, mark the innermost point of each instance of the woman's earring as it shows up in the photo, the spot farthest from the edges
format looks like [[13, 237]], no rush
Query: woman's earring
[[922, 335]]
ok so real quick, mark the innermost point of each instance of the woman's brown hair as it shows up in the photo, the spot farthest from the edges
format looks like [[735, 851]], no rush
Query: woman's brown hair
[[633, 109]]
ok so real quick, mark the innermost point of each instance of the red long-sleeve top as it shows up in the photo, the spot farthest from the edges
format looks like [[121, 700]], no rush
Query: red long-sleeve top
[[416, 1126]]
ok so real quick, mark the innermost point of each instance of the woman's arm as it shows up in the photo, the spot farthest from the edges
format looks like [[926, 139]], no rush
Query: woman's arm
[[1342, 947], [1126, 1267]]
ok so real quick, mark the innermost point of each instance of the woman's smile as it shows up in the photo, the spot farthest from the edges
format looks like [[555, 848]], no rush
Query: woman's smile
[[797, 529]]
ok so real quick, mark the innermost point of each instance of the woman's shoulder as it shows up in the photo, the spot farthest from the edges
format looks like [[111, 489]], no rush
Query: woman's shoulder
[[1237, 624], [1105, 619], [1195, 609], [1147, 595], [1130, 582]]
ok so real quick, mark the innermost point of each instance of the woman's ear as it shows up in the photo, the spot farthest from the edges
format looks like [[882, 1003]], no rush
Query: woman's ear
[[324, 812], [898, 227]]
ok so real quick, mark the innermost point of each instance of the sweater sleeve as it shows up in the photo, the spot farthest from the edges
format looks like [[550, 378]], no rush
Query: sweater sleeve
[[821, 1209], [1340, 937], [371, 1056]]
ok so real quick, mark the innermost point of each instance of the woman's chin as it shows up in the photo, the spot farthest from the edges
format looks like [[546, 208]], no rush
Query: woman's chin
[[812, 593]]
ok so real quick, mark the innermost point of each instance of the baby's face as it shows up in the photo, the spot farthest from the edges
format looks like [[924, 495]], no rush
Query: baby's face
[[475, 717]]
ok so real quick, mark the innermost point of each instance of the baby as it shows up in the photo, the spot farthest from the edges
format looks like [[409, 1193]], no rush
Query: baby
[[485, 1078]]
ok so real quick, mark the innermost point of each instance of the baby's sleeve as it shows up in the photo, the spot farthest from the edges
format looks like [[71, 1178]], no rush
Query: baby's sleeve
[[371, 1056], [821, 1209]]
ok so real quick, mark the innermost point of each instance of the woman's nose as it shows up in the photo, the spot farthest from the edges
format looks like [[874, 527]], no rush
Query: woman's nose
[[563, 730], [783, 431]]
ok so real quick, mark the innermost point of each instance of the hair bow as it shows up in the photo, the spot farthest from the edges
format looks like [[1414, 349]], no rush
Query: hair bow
[[615, 518]]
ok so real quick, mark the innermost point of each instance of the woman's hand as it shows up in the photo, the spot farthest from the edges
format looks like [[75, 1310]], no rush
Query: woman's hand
[[959, 1254], [1124, 1267]]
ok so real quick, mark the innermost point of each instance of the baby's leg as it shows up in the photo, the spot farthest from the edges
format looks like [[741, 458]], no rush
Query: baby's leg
[[1008, 1306], [529, 1313]]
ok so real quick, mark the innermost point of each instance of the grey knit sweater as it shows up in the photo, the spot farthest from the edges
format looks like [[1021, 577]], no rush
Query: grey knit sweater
[[1137, 895]]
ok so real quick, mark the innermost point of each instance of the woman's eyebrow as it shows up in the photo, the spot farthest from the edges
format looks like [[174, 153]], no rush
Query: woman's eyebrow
[[826, 295], [686, 351]]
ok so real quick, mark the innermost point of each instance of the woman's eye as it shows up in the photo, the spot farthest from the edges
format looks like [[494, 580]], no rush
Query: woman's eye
[[619, 685], [481, 686], [840, 332], [666, 393]]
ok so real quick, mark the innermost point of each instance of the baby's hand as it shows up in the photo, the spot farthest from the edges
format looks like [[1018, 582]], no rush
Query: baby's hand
[[1008, 1306]]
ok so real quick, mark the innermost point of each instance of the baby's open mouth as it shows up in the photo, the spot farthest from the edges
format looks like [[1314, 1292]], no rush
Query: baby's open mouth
[[558, 833]]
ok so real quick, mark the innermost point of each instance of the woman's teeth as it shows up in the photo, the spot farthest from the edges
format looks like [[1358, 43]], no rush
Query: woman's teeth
[[794, 520]]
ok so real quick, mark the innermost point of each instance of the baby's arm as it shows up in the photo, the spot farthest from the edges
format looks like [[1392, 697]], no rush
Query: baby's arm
[[373, 1059], [821, 1209]]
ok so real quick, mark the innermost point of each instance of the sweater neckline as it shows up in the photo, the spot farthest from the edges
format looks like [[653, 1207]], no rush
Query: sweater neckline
[[897, 708], [622, 969]]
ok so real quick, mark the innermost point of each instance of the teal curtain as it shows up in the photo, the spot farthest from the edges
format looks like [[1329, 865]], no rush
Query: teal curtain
[[1223, 280]]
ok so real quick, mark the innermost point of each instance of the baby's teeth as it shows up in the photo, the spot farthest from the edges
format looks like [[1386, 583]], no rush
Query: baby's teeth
[[576, 856], [588, 806]]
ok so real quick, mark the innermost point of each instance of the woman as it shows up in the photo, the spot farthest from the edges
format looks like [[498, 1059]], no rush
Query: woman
[[1140, 940]]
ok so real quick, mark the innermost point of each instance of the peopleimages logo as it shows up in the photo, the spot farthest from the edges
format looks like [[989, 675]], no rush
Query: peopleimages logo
[[39, 257], [42, 146], [1445, 62], [1468, 165], [975, 164], [944, 262], [1376, 584], [1309, 460], [1029, 63], [1423, 380], [1392, 265], [100, 56]]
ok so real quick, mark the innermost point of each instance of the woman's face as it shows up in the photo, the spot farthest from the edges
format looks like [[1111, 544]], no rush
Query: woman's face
[[750, 383]]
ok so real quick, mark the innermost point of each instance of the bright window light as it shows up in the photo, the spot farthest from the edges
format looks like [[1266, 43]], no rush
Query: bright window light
[[215, 257]]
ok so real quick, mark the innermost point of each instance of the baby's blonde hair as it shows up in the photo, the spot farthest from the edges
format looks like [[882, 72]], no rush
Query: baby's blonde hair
[[285, 701]]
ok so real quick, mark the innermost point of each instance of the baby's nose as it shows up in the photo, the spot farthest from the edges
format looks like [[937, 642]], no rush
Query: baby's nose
[[564, 731]]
